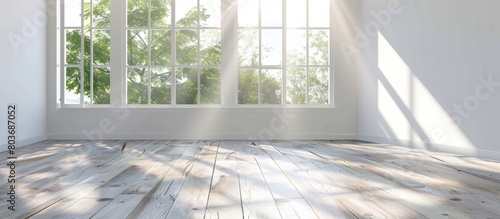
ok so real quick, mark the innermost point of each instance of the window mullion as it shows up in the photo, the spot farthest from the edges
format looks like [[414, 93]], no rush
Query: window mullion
[[259, 89], [91, 53], [118, 92], [284, 59], [82, 52], [62, 55], [307, 52], [149, 52], [229, 49], [331, 94], [198, 53], [173, 75]]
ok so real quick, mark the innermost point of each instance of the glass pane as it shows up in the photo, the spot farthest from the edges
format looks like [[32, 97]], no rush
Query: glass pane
[[296, 47], [137, 47], [210, 86], [100, 85], [72, 14], [272, 47], [187, 86], [248, 47], [100, 13], [86, 99], [72, 91], [187, 47], [73, 46], [137, 13], [319, 47], [210, 47], [160, 47], [248, 13], [137, 85], [160, 13], [271, 80], [319, 79], [296, 86], [272, 13], [319, 13], [86, 15], [296, 13], [186, 13], [210, 13], [101, 47], [160, 86], [248, 86]]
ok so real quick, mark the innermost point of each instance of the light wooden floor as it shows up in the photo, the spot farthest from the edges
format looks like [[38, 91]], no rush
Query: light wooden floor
[[242, 179]]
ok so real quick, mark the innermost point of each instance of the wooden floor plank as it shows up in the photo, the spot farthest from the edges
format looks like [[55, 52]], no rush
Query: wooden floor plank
[[158, 203], [159, 200], [192, 200], [185, 163], [327, 206], [226, 151], [334, 180], [295, 208], [60, 201], [248, 179], [297, 176], [120, 207], [413, 196], [278, 183], [84, 208], [160, 189], [225, 200], [256, 198]]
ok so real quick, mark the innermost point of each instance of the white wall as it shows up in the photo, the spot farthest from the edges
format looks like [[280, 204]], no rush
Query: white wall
[[338, 123], [23, 71], [427, 60]]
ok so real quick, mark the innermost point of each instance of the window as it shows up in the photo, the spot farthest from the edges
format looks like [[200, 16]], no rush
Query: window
[[180, 49], [87, 52], [274, 72], [171, 52]]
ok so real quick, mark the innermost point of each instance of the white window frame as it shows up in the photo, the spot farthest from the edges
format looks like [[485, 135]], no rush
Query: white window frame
[[229, 63]]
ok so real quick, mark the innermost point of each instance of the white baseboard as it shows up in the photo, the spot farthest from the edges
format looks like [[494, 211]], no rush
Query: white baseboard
[[24, 142], [428, 146], [277, 136]]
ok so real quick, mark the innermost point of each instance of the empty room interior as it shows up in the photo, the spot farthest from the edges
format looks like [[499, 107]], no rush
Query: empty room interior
[[250, 109]]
